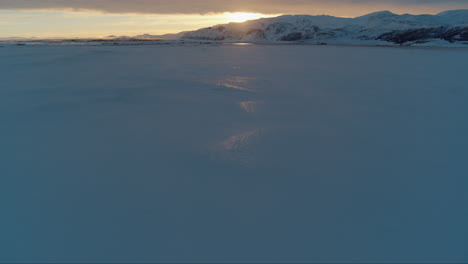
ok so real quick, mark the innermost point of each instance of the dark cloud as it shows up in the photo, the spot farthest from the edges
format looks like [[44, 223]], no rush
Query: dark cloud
[[335, 7]]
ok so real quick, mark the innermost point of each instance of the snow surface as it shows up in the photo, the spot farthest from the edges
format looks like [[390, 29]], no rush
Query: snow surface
[[233, 153]]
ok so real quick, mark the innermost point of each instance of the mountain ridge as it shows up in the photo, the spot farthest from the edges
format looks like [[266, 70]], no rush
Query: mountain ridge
[[378, 28]]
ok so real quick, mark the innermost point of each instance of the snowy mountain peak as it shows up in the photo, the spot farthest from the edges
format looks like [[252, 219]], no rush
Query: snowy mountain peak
[[380, 14], [456, 16], [460, 12]]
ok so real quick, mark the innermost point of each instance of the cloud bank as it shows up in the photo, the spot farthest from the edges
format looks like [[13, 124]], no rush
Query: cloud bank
[[332, 7]]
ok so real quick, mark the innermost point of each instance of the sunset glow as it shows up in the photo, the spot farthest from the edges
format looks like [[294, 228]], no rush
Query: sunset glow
[[242, 17], [88, 18]]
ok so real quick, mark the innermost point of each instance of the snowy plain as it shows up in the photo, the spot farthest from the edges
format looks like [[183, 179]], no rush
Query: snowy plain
[[233, 153]]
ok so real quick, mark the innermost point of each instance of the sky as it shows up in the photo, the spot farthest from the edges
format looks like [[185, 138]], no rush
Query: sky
[[99, 18]]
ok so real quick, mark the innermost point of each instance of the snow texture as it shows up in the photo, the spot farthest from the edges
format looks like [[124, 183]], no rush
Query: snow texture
[[233, 153]]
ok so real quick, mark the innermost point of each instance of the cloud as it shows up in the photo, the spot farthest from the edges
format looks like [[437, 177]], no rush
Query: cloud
[[333, 7]]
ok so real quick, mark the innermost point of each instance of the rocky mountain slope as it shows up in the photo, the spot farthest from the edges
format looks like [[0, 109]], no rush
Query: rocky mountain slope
[[385, 28]]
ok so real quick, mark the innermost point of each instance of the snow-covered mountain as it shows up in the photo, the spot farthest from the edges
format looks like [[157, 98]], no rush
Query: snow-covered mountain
[[377, 28], [162, 37]]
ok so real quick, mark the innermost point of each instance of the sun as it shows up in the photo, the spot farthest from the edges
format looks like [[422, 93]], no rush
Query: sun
[[242, 17]]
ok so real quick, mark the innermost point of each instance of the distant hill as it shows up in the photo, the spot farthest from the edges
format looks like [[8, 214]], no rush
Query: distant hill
[[149, 37], [380, 28]]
